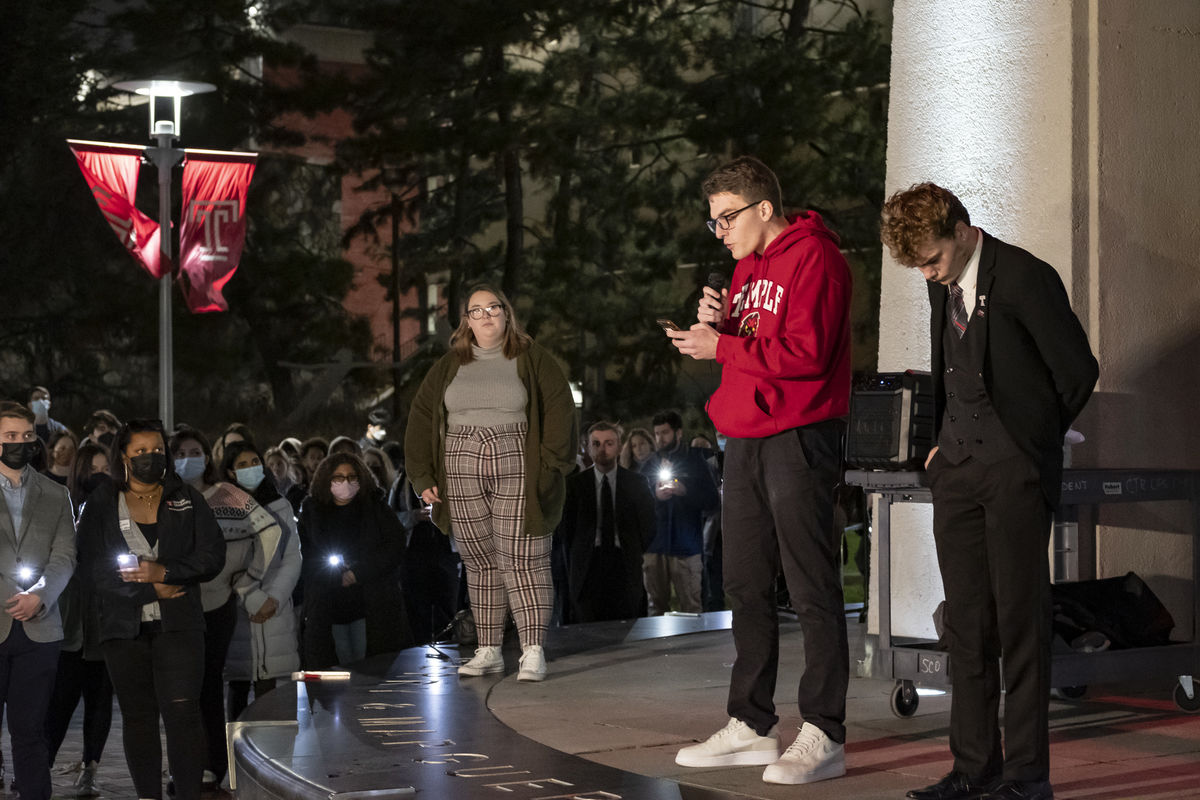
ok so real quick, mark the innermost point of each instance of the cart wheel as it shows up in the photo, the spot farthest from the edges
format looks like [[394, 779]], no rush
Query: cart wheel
[[1190, 705], [905, 699], [1072, 692]]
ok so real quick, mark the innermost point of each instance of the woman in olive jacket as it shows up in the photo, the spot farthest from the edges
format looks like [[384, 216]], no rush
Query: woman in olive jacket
[[491, 437], [150, 620]]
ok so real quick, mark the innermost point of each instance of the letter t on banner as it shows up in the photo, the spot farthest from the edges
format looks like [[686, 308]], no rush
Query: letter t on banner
[[213, 229]]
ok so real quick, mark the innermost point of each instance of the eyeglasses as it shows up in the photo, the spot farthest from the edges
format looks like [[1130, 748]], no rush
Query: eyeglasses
[[724, 221], [352, 479], [492, 311]]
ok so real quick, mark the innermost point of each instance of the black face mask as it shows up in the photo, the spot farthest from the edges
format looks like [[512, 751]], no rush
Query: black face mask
[[17, 454], [148, 467], [93, 482], [105, 440]]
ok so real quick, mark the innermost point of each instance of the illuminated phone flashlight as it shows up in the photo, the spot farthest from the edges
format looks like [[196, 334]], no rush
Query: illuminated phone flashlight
[[665, 476], [25, 574], [336, 561], [126, 561]]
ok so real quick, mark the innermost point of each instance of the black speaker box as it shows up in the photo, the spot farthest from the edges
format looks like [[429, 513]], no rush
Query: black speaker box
[[891, 421]]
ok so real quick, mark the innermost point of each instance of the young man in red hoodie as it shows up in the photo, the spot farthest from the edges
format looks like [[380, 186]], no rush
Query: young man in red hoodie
[[783, 342]]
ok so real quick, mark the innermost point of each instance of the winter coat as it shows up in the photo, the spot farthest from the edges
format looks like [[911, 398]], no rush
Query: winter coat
[[373, 551], [270, 649], [190, 547]]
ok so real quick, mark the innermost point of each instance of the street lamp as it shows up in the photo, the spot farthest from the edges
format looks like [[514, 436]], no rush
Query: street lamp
[[165, 157], [395, 179]]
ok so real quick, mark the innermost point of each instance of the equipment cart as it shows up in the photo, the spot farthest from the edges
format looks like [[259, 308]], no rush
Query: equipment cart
[[911, 662]]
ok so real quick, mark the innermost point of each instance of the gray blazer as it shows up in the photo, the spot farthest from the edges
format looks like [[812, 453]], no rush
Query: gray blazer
[[47, 546]]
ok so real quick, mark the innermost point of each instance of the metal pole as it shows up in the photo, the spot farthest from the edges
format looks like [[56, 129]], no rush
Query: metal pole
[[165, 158], [395, 309]]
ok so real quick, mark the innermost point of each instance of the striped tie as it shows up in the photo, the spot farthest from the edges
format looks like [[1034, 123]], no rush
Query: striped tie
[[958, 309]]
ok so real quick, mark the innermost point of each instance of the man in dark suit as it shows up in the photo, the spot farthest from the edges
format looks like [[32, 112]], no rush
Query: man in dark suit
[[1011, 368], [37, 557], [607, 523]]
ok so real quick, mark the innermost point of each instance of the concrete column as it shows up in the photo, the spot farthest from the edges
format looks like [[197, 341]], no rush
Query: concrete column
[[1067, 127]]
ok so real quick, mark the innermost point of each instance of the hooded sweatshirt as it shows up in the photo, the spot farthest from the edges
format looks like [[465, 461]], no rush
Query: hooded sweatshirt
[[785, 343]]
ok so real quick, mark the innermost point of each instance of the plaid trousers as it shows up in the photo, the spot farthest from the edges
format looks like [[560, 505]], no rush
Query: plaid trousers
[[485, 487]]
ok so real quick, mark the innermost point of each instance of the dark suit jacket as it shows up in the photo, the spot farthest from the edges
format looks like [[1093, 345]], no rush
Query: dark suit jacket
[[634, 521], [1038, 367]]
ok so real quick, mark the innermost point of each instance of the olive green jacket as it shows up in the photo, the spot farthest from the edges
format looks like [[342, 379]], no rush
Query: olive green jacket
[[549, 444]]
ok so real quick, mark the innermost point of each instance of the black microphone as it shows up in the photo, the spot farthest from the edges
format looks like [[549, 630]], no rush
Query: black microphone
[[716, 282]]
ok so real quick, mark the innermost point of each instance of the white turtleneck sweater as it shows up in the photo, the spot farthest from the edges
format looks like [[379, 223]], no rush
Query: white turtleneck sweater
[[486, 391]]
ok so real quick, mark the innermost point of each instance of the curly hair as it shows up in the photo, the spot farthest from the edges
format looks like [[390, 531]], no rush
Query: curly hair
[[911, 218], [322, 478], [746, 177]]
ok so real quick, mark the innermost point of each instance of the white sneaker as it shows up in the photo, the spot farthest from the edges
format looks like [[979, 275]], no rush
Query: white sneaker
[[734, 745], [485, 661], [812, 757], [533, 664]]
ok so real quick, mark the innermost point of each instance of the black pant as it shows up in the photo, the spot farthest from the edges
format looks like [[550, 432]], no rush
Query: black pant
[[239, 695], [219, 625], [430, 582], [778, 511], [26, 679], [606, 592], [159, 673], [991, 524], [78, 677]]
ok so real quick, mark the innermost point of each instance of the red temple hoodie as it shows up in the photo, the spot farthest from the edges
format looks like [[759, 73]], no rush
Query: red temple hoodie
[[785, 344]]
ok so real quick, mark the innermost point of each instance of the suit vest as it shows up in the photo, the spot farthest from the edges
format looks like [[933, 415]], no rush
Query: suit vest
[[970, 427]]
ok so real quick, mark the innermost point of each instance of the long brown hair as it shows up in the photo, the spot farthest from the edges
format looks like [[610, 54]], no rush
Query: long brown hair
[[516, 340]]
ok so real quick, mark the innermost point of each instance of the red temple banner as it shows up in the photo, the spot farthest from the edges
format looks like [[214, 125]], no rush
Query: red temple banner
[[111, 172], [213, 228]]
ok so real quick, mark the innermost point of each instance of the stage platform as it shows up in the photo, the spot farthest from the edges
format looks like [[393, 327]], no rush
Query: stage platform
[[619, 701]]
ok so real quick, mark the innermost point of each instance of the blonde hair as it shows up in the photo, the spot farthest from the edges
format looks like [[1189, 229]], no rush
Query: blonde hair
[[516, 340]]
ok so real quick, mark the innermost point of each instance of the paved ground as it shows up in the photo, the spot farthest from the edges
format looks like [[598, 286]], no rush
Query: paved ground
[[631, 706]]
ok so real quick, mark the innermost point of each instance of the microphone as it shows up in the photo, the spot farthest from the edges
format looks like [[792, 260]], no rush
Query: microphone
[[716, 282]]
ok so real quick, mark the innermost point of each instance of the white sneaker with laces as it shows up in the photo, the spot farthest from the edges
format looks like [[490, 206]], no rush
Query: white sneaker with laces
[[533, 664], [734, 745], [485, 661], [812, 757]]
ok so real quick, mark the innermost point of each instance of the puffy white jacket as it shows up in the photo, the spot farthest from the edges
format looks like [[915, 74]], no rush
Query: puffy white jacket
[[269, 649]]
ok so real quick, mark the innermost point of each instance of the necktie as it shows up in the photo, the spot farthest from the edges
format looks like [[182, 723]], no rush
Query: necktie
[[608, 528], [958, 309]]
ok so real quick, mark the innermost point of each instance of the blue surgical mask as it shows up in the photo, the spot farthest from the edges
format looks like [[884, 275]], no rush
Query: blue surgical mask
[[190, 468], [249, 477], [40, 407]]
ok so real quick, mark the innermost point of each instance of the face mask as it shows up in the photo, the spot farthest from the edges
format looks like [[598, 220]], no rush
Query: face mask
[[344, 491], [105, 440], [190, 468], [40, 407], [249, 477], [17, 454], [148, 467], [97, 479]]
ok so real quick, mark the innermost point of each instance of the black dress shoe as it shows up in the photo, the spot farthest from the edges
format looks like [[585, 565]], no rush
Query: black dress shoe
[[1021, 790], [955, 786]]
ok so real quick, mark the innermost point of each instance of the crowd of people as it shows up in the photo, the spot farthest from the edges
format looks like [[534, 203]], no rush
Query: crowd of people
[[184, 575]]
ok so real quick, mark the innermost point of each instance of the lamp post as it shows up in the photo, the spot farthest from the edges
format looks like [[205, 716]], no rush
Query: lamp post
[[394, 180], [165, 157]]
